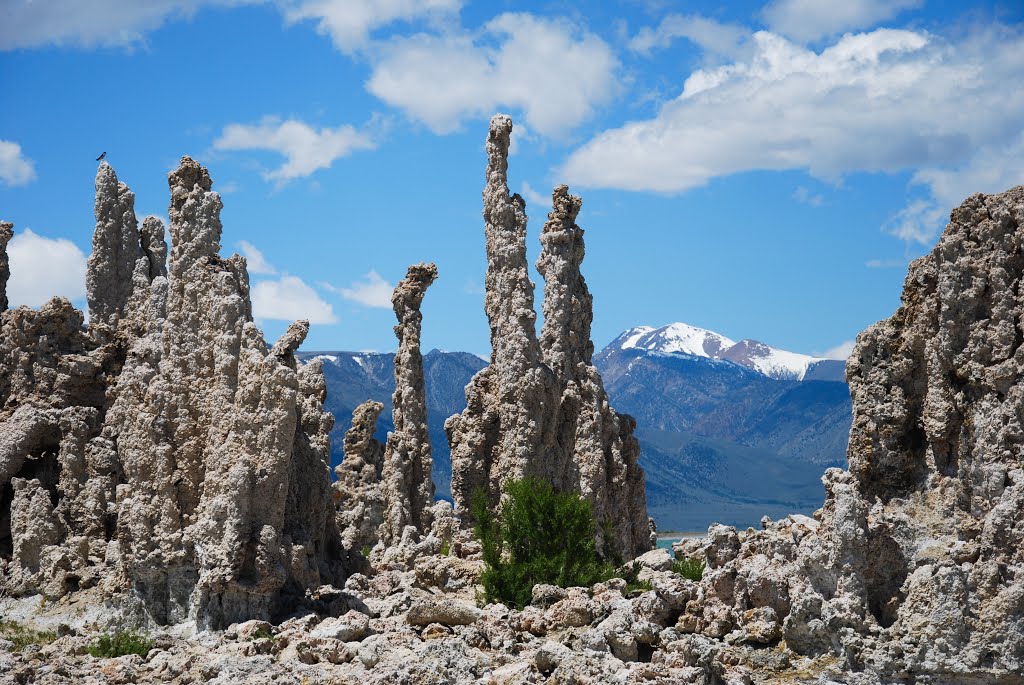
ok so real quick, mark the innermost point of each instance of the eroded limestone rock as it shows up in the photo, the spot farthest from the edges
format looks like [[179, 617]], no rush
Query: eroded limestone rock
[[915, 564], [358, 492], [163, 450], [540, 408], [115, 248], [407, 486]]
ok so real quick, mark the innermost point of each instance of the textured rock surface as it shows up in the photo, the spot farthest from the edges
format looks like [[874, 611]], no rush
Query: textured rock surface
[[594, 448], [6, 233], [115, 249], [407, 486], [358, 493], [507, 422], [540, 408], [163, 449]]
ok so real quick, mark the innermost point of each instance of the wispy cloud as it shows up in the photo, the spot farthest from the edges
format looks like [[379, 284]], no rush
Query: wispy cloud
[[15, 168], [29, 24], [350, 23], [287, 299], [806, 197], [372, 291], [841, 351], [808, 20], [305, 148], [714, 37], [256, 262], [885, 263], [533, 198], [44, 267]]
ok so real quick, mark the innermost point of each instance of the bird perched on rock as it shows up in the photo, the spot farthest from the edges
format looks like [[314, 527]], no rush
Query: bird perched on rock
[[102, 157]]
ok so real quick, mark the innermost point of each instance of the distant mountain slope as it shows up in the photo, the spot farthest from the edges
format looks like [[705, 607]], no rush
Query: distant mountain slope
[[720, 440]]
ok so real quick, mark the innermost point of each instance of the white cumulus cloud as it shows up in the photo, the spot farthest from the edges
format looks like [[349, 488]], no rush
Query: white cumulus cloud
[[42, 268], [808, 20], [372, 291], [349, 23], [885, 101], [287, 299], [256, 263], [15, 168], [552, 70], [305, 148]]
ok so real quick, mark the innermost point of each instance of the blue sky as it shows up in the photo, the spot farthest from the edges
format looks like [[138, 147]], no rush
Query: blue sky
[[764, 170]]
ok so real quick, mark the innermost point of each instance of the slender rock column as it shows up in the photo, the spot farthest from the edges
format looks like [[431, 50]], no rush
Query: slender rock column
[[115, 249], [408, 488], [505, 431], [6, 233]]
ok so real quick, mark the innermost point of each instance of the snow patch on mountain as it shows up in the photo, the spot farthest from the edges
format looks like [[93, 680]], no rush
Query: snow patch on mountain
[[681, 338]]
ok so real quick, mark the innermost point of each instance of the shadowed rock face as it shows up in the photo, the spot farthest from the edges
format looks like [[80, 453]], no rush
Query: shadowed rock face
[[357, 492], [6, 233], [189, 457], [539, 408], [408, 489]]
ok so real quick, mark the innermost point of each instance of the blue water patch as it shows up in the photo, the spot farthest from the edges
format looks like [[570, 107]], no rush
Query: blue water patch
[[666, 543]]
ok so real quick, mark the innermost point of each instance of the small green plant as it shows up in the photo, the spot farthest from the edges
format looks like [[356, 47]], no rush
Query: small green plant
[[446, 548], [365, 551], [264, 633], [543, 536], [22, 637], [691, 568], [120, 643], [631, 574]]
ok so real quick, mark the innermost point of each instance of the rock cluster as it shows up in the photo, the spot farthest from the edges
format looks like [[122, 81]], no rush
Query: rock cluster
[[540, 408], [164, 449]]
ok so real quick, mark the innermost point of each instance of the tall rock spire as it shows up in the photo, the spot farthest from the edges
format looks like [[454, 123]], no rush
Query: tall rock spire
[[6, 233], [501, 434], [116, 248], [540, 407], [407, 486]]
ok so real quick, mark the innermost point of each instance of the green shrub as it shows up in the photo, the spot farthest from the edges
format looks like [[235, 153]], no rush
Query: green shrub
[[446, 548], [689, 568], [120, 643], [543, 537], [22, 637]]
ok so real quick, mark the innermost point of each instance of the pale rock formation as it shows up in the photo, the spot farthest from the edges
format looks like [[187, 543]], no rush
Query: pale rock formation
[[915, 564], [116, 248], [408, 490], [357, 492], [540, 408], [223, 444], [502, 433], [56, 480], [594, 449], [6, 233], [163, 450]]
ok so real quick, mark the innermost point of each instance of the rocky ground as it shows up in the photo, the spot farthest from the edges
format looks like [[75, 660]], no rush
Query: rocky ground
[[399, 626]]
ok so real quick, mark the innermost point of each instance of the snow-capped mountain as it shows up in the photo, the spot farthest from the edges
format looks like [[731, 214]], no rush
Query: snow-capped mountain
[[681, 338]]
